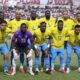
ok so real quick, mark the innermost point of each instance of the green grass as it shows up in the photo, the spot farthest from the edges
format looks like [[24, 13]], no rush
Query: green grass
[[74, 75]]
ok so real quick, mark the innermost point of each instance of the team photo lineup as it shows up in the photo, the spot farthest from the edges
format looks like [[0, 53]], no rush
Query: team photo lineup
[[45, 37]]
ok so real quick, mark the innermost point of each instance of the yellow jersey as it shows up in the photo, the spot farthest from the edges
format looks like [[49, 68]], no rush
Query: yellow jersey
[[41, 37], [15, 25], [58, 37], [68, 24], [3, 35], [50, 23], [77, 23], [73, 38], [33, 25]]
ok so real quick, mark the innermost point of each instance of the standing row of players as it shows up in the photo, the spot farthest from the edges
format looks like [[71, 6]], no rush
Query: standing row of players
[[44, 35]]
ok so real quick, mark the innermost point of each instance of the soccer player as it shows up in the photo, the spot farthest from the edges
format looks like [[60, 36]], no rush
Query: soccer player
[[78, 18], [73, 44], [68, 24], [57, 46], [41, 45], [19, 46], [15, 25], [3, 46], [50, 22], [33, 23], [2, 15]]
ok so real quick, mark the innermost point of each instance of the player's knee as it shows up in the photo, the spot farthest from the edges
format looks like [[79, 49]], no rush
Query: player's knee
[[46, 54], [36, 55], [6, 57]]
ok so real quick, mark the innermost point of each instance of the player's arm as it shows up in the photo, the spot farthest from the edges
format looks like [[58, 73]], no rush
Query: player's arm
[[29, 55], [8, 33], [31, 39], [13, 41], [49, 41], [13, 46], [34, 41]]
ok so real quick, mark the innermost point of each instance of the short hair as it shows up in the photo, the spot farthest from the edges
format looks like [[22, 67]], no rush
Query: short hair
[[65, 11], [3, 21], [23, 24], [77, 26], [42, 23], [60, 21], [47, 10]]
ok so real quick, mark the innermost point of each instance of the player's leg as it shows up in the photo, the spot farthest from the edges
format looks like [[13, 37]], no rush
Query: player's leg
[[42, 58], [37, 54], [62, 62], [42, 61], [29, 45], [4, 50], [77, 51], [46, 57], [21, 69], [29, 59], [65, 45], [15, 53], [68, 58], [53, 55], [11, 58]]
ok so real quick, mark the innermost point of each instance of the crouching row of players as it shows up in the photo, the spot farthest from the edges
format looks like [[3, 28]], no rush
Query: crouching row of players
[[48, 41]]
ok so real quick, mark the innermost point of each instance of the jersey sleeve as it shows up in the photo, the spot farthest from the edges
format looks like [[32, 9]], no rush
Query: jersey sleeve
[[14, 36], [30, 36]]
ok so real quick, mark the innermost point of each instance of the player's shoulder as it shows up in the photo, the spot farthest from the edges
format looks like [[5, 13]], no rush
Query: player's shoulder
[[28, 32], [61, 19], [53, 18], [53, 29], [8, 29], [42, 19], [37, 30], [17, 32], [12, 21], [7, 20], [71, 32], [71, 20]]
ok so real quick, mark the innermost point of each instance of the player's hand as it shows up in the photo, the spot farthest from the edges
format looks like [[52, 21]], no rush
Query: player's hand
[[48, 47], [9, 36], [35, 46], [29, 55]]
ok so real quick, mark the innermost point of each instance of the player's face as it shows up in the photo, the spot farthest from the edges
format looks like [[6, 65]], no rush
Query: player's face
[[43, 27], [3, 26], [47, 14], [23, 28], [78, 17], [65, 15], [18, 15], [33, 14], [1, 15], [77, 30], [60, 26]]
